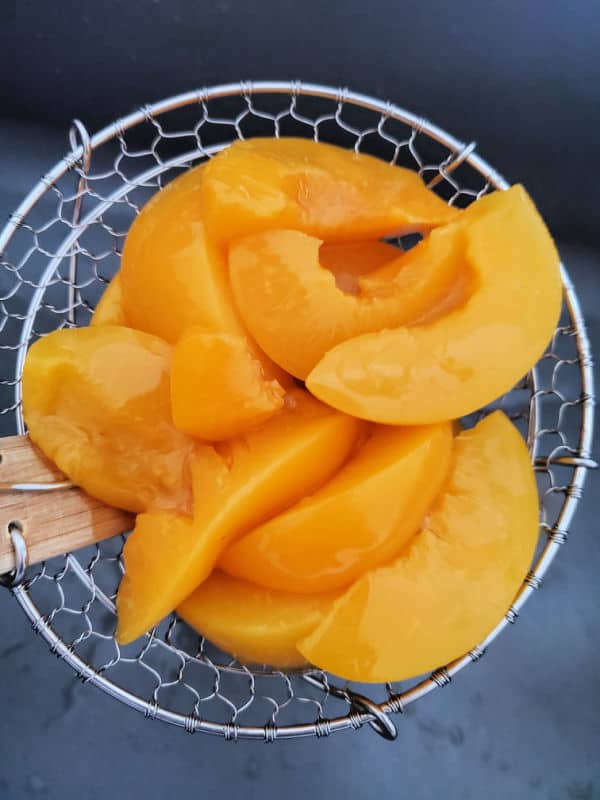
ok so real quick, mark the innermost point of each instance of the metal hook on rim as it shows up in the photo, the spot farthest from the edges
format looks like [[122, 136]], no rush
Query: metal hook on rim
[[79, 137], [454, 161], [380, 720], [13, 579]]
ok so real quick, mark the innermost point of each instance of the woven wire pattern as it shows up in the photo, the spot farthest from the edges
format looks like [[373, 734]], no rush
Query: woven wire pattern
[[58, 253]]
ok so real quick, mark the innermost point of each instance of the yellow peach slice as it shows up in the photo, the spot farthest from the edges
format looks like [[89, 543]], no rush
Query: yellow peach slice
[[461, 361], [321, 189], [253, 624], [456, 578], [293, 308], [155, 555], [218, 388], [109, 310], [248, 480], [268, 469], [173, 276], [358, 520], [97, 401]]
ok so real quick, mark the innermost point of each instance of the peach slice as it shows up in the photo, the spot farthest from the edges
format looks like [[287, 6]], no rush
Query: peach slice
[[465, 359], [173, 277], [248, 480], [110, 310], [453, 582], [218, 388], [97, 402], [255, 625], [277, 277], [321, 189], [358, 520], [155, 555], [268, 469]]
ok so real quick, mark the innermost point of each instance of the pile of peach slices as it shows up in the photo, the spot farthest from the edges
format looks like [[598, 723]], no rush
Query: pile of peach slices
[[272, 388]]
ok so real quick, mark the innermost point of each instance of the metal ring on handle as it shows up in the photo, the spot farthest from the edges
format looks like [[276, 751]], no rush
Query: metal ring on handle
[[15, 578]]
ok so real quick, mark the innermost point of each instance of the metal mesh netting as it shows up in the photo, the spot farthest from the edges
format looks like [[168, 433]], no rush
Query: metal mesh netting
[[59, 251]]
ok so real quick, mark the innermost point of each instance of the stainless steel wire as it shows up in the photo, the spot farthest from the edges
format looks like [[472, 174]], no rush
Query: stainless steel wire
[[58, 252]]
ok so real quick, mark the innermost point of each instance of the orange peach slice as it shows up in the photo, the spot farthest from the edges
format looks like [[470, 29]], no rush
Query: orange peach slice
[[465, 359], [268, 469], [453, 582], [155, 556], [295, 311], [323, 190], [173, 276], [255, 625], [109, 310], [218, 388], [97, 402], [250, 479], [358, 520]]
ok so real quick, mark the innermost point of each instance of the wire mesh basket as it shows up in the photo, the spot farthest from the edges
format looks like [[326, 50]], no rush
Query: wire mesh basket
[[60, 250]]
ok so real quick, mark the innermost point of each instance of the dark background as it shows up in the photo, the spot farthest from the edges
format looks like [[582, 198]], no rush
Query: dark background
[[522, 78]]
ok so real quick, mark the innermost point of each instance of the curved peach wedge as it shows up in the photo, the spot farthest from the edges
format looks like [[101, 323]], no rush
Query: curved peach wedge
[[203, 361], [321, 189], [358, 520], [453, 582], [465, 359], [276, 276], [173, 276], [144, 596], [268, 469], [247, 480], [97, 401], [255, 625], [110, 310]]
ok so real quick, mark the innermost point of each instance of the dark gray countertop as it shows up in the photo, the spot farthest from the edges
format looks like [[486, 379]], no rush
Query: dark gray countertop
[[522, 723]]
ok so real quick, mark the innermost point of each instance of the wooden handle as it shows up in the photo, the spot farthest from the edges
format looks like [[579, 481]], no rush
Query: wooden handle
[[53, 522]]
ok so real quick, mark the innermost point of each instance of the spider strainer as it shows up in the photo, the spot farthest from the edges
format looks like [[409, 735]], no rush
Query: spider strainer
[[60, 249]]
